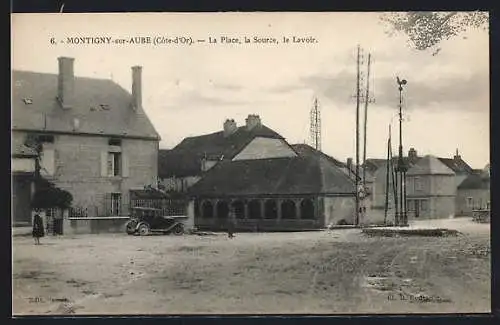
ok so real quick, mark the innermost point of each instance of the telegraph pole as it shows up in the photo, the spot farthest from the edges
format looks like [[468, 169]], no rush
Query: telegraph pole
[[315, 126], [367, 100], [387, 179], [357, 137]]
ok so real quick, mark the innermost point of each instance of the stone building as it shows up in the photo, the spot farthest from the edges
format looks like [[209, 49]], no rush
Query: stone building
[[186, 163], [97, 141], [419, 189], [431, 189], [474, 193], [270, 184]]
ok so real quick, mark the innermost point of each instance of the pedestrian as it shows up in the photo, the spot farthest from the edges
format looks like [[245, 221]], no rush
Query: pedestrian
[[231, 223], [38, 230]]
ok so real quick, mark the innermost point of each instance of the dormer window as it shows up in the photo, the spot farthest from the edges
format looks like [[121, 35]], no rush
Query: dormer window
[[28, 101]]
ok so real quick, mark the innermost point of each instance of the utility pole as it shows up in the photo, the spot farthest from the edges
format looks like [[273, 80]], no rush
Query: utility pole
[[387, 177], [402, 218], [367, 100], [357, 137], [315, 126]]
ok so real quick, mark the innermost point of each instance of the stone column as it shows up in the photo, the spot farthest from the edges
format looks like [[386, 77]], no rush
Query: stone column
[[278, 206], [245, 209], [297, 208], [262, 209]]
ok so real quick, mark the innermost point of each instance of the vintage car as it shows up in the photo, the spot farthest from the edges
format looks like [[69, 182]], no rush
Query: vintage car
[[144, 221]]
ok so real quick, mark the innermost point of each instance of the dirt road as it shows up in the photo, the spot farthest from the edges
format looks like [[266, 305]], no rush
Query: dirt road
[[337, 271]]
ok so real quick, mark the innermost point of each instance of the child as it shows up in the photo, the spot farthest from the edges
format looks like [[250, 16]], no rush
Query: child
[[231, 224]]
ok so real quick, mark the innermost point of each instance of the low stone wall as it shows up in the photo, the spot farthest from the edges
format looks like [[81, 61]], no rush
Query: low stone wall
[[481, 216], [94, 225], [259, 224]]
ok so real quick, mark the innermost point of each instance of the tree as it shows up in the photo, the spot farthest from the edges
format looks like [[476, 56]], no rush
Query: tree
[[47, 195], [426, 29]]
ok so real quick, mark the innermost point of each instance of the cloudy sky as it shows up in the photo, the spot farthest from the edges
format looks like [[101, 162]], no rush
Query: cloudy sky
[[191, 90]]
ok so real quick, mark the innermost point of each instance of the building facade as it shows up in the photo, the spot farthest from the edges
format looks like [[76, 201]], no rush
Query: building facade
[[474, 193], [23, 171], [431, 185], [268, 183], [97, 141], [431, 189]]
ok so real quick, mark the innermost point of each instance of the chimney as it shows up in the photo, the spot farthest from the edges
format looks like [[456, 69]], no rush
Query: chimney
[[412, 154], [252, 121], [66, 82], [136, 87], [349, 165], [229, 127], [457, 157]]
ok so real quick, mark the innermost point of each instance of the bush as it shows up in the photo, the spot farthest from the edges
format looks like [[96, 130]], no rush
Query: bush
[[48, 196]]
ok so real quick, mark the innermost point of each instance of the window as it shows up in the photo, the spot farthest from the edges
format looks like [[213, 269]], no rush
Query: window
[[116, 203], [424, 205], [114, 161], [115, 142], [470, 202], [46, 138], [410, 205], [417, 184]]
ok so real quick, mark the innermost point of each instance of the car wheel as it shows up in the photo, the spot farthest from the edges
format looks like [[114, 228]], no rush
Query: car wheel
[[178, 230], [130, 230], [144, 230]]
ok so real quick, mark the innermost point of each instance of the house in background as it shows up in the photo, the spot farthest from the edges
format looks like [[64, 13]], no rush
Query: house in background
[[461, 169], [474, 193], [186, 163], [270, 184], [97, 141], [431, 189]]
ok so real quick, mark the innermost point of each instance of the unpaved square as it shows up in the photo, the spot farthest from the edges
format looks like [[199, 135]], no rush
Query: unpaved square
[[335, 271]]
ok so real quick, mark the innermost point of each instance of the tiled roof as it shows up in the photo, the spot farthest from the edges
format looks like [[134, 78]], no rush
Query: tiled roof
[[276, 176], [457, 165], [306, 150], [35, 107], [475, 181], [430, 165], [185, 159]]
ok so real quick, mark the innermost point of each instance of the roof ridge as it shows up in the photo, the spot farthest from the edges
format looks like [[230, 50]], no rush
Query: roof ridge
[[56, 74]]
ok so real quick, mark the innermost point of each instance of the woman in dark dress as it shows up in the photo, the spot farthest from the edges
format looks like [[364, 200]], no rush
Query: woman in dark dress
[[38, 230]]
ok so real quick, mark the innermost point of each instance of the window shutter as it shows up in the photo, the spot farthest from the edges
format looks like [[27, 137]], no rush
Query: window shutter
[[48, 161], [125, 171], [104, 163]]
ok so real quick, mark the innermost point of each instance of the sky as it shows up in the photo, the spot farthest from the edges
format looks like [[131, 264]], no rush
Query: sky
[[190, 90]]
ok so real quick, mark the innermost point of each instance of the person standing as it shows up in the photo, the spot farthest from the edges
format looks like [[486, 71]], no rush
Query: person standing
[[231, 224], [38, 230]]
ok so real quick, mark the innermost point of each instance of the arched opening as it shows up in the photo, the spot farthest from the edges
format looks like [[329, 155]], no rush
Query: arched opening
[[288, 210], [254, 211], [307, 209], [222, 210], [207, 209], [239, 209], [271, 209]]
